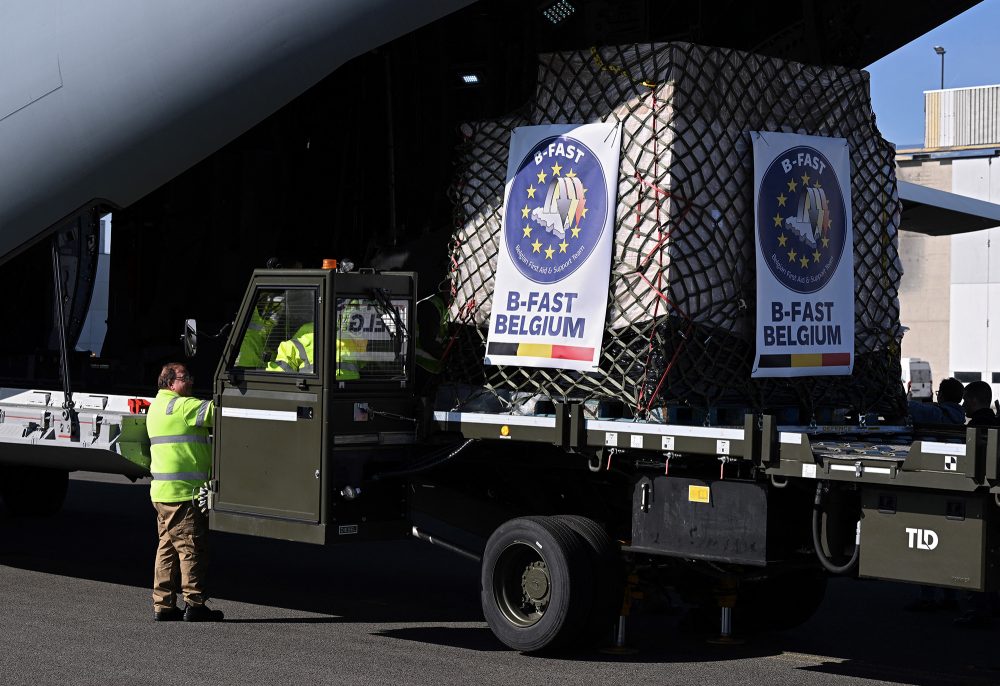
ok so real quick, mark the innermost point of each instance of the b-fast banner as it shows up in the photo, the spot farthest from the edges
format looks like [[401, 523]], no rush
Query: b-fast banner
[[805, 255], [555, 247]]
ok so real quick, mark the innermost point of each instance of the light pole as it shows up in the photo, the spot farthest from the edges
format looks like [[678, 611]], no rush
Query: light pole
[[940, 50]]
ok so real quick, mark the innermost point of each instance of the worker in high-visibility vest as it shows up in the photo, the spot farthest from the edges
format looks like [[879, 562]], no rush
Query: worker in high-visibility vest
[[179, 426], [251, 353], [347, 366], [296, 356], [351, 344]]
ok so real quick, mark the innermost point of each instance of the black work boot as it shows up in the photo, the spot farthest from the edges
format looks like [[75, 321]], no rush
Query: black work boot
[[173, 614], [201, 613]]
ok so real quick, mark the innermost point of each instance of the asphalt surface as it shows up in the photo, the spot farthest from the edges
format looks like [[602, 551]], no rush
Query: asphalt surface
[[75, 609]]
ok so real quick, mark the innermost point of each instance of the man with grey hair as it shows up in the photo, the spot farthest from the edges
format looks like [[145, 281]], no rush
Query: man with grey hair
[[179, 426]]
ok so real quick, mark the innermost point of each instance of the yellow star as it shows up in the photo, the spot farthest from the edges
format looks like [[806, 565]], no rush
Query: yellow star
[[792, 186], [805, 179], [816, 184], [563, 246], [782, 239], [536, 246], [792, 255], [531, 191], [816, 256], [571, 174], [541, 177], [527, 231], [524, 212], [826, 242], [781, 200], [548, 252], [575, 231], [804, 261], [777, 219], [583, 212], [556, 169]]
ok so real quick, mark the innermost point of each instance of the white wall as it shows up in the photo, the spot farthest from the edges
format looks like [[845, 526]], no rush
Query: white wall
[[974, 333]]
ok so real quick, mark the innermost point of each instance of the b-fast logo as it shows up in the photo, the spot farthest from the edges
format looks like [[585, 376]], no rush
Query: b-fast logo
[[921, 539]]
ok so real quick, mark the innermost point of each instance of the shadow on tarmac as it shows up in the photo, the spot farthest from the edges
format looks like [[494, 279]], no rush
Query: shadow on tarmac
[[106, 532]]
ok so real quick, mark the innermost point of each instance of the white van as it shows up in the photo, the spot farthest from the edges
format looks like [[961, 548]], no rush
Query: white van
[[917, 379]]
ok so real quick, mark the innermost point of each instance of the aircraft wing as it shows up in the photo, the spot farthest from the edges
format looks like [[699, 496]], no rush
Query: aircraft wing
[[938, 213]]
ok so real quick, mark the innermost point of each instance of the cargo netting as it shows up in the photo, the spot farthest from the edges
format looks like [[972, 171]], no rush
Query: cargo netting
[[681, 303]]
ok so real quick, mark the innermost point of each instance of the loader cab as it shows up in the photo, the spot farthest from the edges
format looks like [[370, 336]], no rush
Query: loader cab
[[314, 397]]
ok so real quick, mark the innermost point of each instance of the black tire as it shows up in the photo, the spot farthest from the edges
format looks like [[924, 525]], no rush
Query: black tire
[[536, 584], [609, 579], [33, 491]]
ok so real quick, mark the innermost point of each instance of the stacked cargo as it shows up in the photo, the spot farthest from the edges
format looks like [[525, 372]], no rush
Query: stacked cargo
[[680, 321]]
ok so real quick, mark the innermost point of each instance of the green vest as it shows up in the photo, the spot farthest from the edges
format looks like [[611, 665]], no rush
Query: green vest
[[252, 348], [296, 354], [178, 431], [347, 368]]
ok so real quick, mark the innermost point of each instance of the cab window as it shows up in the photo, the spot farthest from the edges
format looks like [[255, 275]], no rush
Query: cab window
[[372, 339], [279, 335]]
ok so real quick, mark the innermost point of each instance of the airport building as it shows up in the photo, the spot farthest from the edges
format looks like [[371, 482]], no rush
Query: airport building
[[950, 291]]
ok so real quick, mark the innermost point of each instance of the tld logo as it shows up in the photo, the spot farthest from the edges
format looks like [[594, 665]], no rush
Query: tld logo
[[921, 539]]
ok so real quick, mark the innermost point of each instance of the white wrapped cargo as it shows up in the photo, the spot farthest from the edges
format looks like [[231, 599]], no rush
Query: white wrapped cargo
[[684, 260]]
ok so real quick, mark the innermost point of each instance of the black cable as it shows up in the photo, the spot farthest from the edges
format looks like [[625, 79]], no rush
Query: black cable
[[827, 563], [430, 463], [391, 415], [384, 303]]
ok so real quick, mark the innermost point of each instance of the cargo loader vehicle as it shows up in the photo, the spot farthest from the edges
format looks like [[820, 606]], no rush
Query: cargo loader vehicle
[[330, 126], [576, 507]]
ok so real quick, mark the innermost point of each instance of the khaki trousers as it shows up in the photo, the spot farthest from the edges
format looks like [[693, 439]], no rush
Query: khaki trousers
[[181, 556]]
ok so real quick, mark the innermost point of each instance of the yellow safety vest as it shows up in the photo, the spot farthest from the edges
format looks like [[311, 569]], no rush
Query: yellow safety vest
[[252, 348], [295, 354], [179, 430], [347, 367]]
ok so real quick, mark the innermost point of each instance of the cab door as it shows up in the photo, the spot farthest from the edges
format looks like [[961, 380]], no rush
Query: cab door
[[269, 441]]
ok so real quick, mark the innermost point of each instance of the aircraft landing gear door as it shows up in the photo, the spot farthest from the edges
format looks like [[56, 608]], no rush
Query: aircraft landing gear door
[[269, 442]]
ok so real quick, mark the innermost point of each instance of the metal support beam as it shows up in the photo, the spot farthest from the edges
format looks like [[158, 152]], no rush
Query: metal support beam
[[60, 298]]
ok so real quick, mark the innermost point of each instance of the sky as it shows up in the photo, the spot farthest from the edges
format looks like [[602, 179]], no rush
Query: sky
[[898, 81]]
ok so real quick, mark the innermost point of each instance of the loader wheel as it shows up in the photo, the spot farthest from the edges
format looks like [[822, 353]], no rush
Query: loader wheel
[[537, 584], [609, 578], [33, 491]]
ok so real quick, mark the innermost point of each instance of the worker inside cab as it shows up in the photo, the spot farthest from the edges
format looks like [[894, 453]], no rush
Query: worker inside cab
[[296, 355], [351, 344], [265, 315], [279, 335]]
